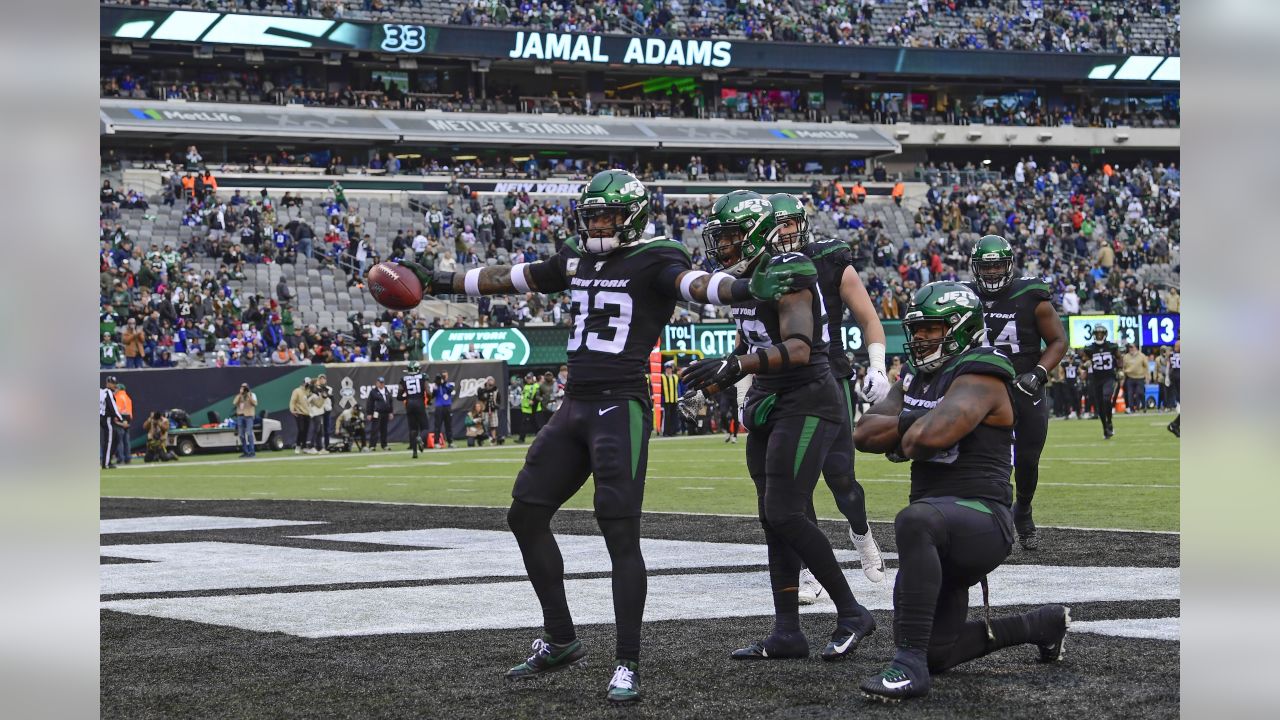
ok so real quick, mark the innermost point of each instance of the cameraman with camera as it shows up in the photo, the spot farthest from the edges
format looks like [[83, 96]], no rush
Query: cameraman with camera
[[443, 395], [321, 407], [246, 407], [489, 399], [157, 428]]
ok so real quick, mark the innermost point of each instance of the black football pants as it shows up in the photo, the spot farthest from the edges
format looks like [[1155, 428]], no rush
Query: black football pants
[[1029, 435]]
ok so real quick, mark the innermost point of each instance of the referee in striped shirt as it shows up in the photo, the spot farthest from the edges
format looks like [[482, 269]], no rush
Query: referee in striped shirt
[[108, 414]]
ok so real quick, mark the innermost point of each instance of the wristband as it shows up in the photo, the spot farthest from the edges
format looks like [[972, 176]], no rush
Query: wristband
[[518, 280], [875, 354], [905, 421], [442, 280], [685, 282], [740, 291], [471, 282], [786, 357], [1043, 374], [713, 288], [763, 356]]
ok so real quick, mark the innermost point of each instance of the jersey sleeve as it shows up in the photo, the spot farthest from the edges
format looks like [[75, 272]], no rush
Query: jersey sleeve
[[671, 260], [986, 361], [552, 275]]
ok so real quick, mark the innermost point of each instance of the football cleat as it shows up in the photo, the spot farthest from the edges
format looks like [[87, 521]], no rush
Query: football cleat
[[848, 634], [895, 684], [869, 555], [624, 687], [810, 588], [1055, 648], [791, 646], [1173, 428], [1026, 528], [548, 658]]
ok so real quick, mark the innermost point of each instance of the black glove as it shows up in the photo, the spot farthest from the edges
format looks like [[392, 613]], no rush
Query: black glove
[[714, 372], [1031, 382], [431, 280]]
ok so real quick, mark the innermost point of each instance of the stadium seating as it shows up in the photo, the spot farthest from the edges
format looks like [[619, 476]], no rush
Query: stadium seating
[[1128, 26]]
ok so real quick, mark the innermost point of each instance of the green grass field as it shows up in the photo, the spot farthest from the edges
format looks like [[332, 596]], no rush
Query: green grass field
[[1130, 482]]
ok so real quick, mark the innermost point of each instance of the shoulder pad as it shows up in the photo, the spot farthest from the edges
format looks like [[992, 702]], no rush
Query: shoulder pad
[[1035, 287], [655, 244], [985, 361], [831, 248]]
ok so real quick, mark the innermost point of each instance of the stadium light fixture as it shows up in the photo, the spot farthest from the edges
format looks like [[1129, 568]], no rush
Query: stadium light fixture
[[974, 135], [902, 131], [938, 135], [1122, 137], [1044, 136]]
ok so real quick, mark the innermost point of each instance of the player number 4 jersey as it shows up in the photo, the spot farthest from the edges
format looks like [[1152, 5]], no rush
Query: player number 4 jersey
[[1010, 317]]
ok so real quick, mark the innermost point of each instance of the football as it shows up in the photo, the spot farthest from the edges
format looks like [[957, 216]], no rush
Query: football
[[395, 287]]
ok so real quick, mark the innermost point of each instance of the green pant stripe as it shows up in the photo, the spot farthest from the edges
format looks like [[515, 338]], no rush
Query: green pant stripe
[[806, 434], [974, 505], [637, 433]]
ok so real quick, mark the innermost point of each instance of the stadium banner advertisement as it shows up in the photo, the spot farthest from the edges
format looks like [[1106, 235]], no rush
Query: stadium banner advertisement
[[505, 344], [123, 24], [160, 117], [1142, 330], [199, 391]]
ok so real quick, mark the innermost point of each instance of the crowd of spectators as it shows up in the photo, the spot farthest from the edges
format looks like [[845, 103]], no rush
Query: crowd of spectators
[[1091, 230], [1040, 25], [885, 105]]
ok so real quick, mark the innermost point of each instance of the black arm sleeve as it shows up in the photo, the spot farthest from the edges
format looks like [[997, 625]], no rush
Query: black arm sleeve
[[551, 275]]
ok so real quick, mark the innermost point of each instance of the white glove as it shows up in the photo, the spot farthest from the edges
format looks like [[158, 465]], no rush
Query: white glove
[[876, 386]]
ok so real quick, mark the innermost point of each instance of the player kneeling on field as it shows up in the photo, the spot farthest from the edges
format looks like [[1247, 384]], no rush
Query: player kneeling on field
[[952, 415]]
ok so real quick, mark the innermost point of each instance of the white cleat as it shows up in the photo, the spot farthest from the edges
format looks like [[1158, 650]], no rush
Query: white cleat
[[869, 553], [810, 588]]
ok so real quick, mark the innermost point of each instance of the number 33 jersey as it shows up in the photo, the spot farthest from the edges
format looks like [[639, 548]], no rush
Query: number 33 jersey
[[620, 303], [1010, 317]]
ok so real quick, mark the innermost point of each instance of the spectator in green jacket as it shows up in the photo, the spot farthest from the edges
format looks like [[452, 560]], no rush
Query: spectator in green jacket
[[110, 352]]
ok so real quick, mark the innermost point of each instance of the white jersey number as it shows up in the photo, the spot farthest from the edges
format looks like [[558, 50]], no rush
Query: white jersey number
[[620, 323]]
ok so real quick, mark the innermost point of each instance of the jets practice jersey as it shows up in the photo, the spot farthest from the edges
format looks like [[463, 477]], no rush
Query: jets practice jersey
[[1010, 317], [980, 464], [831, 257], [620, 304]]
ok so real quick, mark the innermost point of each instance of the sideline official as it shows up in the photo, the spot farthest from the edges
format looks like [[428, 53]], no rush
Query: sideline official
[[108, 416]]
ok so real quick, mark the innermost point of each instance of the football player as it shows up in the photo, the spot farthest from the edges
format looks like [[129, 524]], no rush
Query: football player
[[1104, 364], [413, 387], [623, 288], [1020, 317], [840, 286], [952, 414], [793, 413]]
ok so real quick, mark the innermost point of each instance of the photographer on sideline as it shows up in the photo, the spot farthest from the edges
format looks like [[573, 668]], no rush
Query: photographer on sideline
[[321, 405], [443, 396], [246, 407], [300, 408], [157, 428]]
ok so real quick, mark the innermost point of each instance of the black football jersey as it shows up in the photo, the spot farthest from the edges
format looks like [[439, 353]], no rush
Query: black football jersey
[[980, 464], [1070, 371], [757, 321], [620, 304], [1010, 317], [831, 257], [1175, 362], [413, 386], [1104, 359]]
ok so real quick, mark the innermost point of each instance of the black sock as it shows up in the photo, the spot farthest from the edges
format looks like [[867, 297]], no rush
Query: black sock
[[531, 525], [813, 549], [630, 583]]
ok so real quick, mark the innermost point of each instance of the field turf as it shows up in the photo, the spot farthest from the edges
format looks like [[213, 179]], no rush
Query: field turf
[[1129, 482]]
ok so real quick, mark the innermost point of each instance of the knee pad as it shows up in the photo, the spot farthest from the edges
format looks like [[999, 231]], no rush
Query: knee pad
[[916, 519], [524, 517]]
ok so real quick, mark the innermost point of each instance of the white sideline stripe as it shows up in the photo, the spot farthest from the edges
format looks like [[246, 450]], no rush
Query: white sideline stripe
[[180, 523], [1147, 628], [568, 509], [443, 608]]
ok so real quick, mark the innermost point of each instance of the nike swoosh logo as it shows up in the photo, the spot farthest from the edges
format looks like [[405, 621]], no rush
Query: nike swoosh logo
[[602, 412], [842, 647], [1036, 402], [895, 685]]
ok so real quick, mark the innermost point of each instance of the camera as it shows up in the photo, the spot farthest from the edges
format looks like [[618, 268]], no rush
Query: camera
[[439, 379]]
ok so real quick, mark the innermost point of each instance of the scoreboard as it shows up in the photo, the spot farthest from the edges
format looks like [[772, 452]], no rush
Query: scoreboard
[[1143, 330]]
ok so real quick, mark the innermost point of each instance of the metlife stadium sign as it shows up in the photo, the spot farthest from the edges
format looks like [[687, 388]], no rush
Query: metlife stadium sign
[[129, 24]]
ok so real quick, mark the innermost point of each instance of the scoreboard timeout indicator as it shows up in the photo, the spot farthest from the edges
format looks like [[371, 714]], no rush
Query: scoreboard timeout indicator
[[1143, 330]]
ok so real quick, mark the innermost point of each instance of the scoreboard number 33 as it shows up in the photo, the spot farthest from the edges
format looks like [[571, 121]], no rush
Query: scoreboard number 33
[[404, 38]]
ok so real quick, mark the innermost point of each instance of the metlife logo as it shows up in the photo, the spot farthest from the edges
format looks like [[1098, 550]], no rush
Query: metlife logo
[[149, 114]]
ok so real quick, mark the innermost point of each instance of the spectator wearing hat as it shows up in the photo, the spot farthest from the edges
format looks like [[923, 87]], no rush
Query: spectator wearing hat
[[321, 409], [246, 408], [670, 399], [300, 408], [380, 411], [1136, 374]]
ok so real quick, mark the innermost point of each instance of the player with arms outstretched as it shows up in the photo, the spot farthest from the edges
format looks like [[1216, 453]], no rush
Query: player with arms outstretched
[[840, 286], [953, 415], [1020, 317], [1104, 364], [793, 413], [623, 289]]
